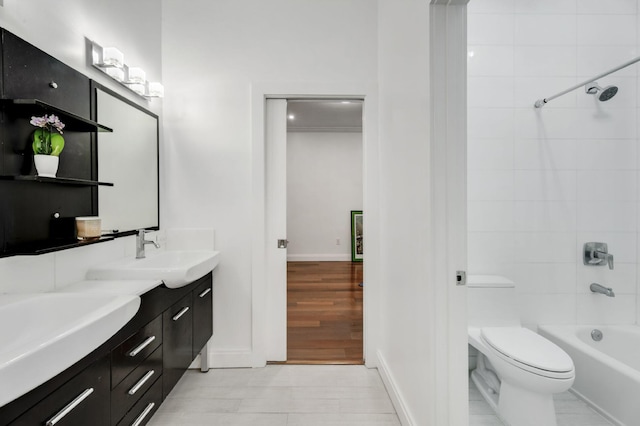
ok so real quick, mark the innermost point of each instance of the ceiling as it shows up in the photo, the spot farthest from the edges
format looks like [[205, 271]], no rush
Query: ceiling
[[326, 115]]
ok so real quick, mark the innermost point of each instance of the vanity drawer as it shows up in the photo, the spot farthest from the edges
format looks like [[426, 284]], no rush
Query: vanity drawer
[[146, 406], [129, 354], [135, 385], [83, 400]]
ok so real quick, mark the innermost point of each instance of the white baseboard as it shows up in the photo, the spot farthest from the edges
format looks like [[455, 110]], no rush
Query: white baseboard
[[319, 257], [394, 393], [227, 359]]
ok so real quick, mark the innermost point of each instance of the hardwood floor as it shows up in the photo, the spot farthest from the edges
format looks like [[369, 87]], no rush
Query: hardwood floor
[[324, 313]]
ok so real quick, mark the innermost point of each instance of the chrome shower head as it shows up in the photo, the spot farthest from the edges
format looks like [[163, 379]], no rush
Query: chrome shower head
[[603, 93]]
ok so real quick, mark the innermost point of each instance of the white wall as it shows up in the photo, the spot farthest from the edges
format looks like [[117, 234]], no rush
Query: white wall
[[543, 182], [324, 183], [60, 30], [407, 325], [212, 54]]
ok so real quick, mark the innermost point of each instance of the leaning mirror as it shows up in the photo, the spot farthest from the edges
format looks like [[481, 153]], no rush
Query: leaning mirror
[[128, 157]]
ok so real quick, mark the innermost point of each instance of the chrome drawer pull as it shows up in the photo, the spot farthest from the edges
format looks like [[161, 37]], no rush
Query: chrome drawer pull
[[204, 293], [66, 410], [143, 345], [141, 382], [183, 311], [144, 414]]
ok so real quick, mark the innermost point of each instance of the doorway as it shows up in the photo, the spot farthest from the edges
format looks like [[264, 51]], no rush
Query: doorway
[[324, 185], [314, 180]]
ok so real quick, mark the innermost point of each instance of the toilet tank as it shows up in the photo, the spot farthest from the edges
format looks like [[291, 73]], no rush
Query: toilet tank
[[491, 301]]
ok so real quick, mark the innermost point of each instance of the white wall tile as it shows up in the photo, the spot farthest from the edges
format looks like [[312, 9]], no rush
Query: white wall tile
[[545, 61], [621, 244], [490, 123], [545, 154], [490, 154], [493, 92], [605, 185], [610, 216], [557, 309], [617, 154], [540, 216], [490, 60], [27, 274], [622, 278], [546, 123], [545, 247], [546, 185], [484, 185], [605, 7], [545, 6], [599, 309], [541, 278], [594, 60], [491, 29], [486, 216], [551, 30], [606, 30], [490, 253], [602, 122], [490, 6], [529, 89]]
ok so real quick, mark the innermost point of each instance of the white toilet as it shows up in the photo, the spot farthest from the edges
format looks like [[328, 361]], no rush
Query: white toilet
[[518, 371]]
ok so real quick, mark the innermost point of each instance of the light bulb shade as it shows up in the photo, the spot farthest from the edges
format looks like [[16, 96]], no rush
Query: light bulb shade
[[136, 75], [112, 57], [115, 73], [155, 89], [138, 88]]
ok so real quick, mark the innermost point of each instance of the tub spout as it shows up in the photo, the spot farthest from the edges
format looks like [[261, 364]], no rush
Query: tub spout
[[597, 288]]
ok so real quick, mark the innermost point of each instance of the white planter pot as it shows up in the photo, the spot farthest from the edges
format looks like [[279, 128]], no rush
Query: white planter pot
[[46, 165]]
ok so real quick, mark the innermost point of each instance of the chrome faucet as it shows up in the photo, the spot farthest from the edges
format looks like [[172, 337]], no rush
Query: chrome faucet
[[141, 242], [597, 254], [597, 288]]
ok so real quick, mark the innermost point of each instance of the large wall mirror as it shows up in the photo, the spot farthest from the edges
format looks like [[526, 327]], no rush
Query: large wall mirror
[[128, 158]]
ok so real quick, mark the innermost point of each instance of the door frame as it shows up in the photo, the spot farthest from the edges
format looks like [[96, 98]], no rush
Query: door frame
[[260, 92]]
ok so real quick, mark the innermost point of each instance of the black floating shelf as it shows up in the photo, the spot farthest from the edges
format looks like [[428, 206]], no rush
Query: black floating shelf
[[57, 180], [73, 122], [49, 246]]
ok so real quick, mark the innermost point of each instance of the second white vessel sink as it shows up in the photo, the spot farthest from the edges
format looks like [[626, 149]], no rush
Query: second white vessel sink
[[43, 334], [174, 268]]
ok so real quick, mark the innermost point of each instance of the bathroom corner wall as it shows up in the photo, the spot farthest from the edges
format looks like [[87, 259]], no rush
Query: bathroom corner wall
[[544, 181]]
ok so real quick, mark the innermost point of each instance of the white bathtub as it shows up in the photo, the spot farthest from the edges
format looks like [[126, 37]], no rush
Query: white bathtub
[[608, 371]]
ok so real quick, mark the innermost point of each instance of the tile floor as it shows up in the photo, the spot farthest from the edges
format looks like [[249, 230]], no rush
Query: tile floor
[[314, 395], [279, 395], [570, 410]]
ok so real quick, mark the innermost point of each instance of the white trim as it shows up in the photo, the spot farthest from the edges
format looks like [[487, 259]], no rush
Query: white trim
[[448, 75], [291, 90], [325, 129], [319, 258], [397, 399], [238, 358]]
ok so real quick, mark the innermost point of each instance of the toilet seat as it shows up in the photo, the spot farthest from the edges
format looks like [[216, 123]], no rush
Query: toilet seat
[[529, 351]]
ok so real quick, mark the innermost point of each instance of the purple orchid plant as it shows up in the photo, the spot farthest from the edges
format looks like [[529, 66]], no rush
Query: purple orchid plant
[[45, 141]]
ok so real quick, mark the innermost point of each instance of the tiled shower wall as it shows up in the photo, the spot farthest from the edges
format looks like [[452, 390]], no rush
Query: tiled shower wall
[[544, 181]]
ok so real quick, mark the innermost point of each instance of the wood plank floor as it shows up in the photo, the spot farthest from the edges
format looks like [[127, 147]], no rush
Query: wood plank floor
[[324, 313]]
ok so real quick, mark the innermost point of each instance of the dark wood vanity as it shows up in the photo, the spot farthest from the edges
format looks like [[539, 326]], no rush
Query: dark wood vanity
[[124, 381]]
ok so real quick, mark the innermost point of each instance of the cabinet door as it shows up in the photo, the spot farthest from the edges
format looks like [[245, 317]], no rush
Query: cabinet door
[[177, 342], [30, 73], [83, 400], [202, 314]]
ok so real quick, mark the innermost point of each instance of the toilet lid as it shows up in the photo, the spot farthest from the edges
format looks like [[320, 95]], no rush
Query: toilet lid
[[528, 350]]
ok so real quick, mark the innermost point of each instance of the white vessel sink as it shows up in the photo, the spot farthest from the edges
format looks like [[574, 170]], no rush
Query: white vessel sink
[[174, 268], [43, 334]]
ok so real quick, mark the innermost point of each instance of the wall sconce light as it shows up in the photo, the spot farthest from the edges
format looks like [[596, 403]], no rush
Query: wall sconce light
[[110, 61]]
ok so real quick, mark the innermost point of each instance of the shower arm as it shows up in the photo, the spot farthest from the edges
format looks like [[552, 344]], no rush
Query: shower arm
[[541, 102]]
